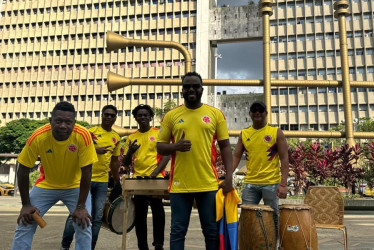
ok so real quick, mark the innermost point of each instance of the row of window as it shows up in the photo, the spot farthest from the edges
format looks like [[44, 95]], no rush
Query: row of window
[[320, 108], [43, 115], [317, 19], [323, 127], [320, 36], [322, 72], [312, 90], [60, 23], [310, 3], [135, 96], [131, 65], [73, 37], [320, 54], [83, 7]]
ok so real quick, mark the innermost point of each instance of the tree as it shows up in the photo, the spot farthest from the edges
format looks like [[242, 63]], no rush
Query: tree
[[160, 112], [14, 134]]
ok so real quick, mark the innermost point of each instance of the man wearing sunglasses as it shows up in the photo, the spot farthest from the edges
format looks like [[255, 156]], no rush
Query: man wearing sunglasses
[[266, 152], [193, 129], [108, 147]]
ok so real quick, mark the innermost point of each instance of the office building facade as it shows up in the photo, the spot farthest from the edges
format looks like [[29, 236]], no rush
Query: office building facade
[[55, 50]]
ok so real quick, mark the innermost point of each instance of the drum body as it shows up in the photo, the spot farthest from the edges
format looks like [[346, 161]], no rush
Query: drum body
[[256, 228], [113, 215], [296, 228]]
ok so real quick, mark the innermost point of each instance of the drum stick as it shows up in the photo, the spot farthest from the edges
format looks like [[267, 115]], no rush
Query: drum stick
[[39, 220]]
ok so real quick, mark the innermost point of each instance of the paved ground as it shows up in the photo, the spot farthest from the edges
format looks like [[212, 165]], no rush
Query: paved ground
[[360, 226]]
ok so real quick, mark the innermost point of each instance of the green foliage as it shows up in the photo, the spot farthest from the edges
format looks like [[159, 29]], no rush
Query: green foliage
[[33, 177], [85, 124], [14, 134], [160, 112], [365, 124]]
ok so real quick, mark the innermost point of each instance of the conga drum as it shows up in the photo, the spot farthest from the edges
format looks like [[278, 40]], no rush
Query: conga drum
[[296, 228], [113, 215], [256, 228]]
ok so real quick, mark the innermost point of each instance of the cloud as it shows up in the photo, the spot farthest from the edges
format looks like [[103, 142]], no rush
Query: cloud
[[240, 60]]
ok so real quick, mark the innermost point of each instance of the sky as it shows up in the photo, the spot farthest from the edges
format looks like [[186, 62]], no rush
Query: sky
[[242, 60]]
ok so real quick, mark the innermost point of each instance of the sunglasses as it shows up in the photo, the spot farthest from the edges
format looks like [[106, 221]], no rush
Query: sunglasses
[[109, 115], [257, 109], [188, 86]]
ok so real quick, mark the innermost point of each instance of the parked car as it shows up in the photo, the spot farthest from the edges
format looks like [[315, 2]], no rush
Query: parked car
[[364, 190], [6, 189]]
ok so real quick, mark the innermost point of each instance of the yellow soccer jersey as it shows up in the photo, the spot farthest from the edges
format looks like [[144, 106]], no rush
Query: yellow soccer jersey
[[145, 158], [262, 160], [194, 171], [61, 160], [103, 138]]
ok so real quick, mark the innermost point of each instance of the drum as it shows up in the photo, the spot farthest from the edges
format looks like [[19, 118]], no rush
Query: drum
[[256, 228], [296, 228], [113, 215]]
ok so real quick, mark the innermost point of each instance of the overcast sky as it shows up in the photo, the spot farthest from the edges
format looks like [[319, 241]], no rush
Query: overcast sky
[[240, 60]]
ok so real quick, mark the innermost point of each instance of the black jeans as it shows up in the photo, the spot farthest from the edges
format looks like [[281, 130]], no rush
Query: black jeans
[[158, 217]]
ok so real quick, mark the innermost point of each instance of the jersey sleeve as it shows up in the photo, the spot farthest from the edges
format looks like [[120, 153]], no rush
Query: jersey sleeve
[[87, 155], [127, 145], [222, 132], [164, 135], [117, 146], [29, 154]]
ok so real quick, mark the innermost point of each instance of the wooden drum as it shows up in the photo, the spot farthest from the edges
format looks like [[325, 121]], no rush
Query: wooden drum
[[256, 228], [296, 228]]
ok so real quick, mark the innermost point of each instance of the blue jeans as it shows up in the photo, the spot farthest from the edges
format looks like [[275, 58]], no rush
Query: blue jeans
[[181, 205], [43, 199], [252, 194], [98, 196]]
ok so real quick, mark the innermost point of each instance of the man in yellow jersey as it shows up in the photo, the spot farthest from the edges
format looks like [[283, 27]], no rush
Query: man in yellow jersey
[[140, 148], [67, 153], [193, 129], [108, 149], [266, 152]]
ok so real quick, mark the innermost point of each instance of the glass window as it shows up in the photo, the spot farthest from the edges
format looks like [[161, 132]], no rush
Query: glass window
[[283, 92], [303, 108], [322, 108], [312, 90], [333, 108], [312, 108], [292, 91]]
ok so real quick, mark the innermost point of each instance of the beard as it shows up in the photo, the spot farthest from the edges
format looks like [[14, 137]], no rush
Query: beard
[[194, 101]]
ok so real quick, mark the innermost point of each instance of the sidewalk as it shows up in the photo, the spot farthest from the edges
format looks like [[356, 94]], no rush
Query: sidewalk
[[360, 226]]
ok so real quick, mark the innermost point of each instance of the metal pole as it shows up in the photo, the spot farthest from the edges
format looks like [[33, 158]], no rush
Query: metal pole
[[341, 11], [266, 11]]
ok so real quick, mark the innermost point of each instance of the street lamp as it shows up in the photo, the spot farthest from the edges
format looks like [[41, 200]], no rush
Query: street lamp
[[216, 56]]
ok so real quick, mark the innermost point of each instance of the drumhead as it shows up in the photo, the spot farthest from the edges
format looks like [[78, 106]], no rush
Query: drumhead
[[256, 207], [115, 216], [295, 206]]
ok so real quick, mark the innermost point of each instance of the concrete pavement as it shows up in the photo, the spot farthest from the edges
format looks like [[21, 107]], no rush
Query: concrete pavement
[[360, 226]]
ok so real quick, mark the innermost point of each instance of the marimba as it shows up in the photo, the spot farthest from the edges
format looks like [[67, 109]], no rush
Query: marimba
[[134, 186]]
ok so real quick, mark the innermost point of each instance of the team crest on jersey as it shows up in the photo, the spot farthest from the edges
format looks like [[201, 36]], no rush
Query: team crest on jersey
[[72, 148], [114, 140], [152, 138], [206, 119], [267, 138]]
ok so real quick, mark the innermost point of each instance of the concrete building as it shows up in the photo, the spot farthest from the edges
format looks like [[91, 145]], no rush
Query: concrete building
[[305, 46], [55, 50]]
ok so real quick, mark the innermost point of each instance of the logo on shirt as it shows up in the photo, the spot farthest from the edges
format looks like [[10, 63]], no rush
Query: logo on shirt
[[206, 119], [152, 138], [267, 138], [49, 151], [72, 148], [114, 140], [180, 121], [248, 139], [292, 228]]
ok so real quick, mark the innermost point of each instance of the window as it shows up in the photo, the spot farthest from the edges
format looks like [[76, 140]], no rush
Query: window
[[312, 108], [283, 92]]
